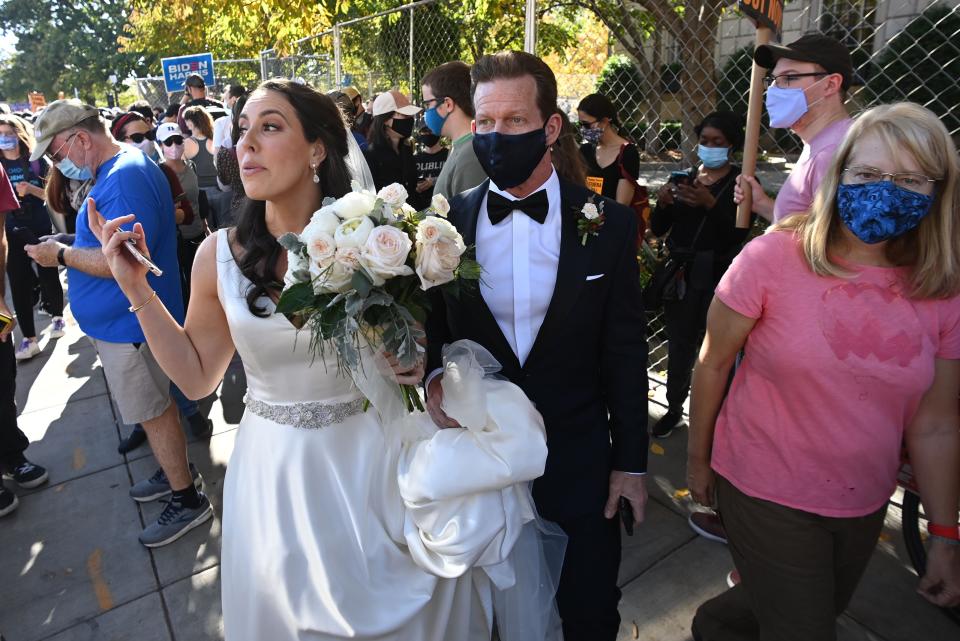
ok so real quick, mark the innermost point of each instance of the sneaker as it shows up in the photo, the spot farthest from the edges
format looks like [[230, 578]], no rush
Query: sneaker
[[665, 426], [58, 327], [26, 474], [175, 521], [137, 438], [200, 426], [157, 486], [8, 501], [733, 578], [708, 525], [28, 349]]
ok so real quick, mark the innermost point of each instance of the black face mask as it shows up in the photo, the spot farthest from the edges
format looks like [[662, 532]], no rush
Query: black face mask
[[403, 127], [509, 159], [362, 121], [428, 140]]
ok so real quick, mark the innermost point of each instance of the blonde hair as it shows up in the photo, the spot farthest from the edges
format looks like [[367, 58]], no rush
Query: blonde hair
[[932, 249]]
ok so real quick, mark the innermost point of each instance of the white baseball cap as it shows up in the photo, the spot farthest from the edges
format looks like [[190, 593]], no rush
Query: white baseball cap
[[394, 101], [168, 129]]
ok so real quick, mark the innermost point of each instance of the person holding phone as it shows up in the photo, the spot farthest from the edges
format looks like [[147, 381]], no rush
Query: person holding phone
[[75, 138], [24, 227], [13, 442], [697, 211]]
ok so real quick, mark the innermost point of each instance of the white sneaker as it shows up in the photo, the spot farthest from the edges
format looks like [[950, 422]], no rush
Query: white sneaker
[[57, 327], [27, 350]]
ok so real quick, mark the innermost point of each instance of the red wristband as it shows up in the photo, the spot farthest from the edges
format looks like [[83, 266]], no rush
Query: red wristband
[[944, 531]]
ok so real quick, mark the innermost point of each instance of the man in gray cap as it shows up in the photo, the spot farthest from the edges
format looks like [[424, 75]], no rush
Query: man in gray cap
[[75, 138], [805, 93]]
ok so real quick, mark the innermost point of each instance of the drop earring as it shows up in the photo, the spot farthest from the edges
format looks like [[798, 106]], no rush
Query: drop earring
[[316, 177]]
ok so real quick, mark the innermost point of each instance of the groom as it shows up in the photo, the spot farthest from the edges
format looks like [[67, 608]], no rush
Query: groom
[[562, 313]]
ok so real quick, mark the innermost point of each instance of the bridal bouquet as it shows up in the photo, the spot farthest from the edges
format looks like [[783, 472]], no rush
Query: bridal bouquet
[[359, 272]]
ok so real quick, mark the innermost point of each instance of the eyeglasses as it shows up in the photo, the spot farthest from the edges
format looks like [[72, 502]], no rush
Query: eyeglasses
[[425, 105], [55, 156], [587, 125], [173, 140], [860, 175], [138, 138], [784, 80]]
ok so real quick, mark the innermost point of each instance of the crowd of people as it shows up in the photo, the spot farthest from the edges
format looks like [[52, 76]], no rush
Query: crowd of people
[[815, 350]]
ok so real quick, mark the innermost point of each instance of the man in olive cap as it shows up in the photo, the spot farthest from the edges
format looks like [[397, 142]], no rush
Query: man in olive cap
[[75, 139], [806, 87]]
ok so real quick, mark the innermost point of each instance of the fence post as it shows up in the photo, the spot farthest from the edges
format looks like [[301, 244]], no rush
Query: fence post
[[412, 91], [336, 55], [530, 28], [263, 64]]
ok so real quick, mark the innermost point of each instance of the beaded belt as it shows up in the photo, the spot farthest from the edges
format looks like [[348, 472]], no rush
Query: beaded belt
[[310, 415]]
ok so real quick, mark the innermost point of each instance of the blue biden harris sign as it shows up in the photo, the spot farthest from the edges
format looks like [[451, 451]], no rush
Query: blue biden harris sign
[[176, 70]]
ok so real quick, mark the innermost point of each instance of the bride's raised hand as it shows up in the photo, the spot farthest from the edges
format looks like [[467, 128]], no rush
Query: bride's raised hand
[[405, 375], [126, 269]]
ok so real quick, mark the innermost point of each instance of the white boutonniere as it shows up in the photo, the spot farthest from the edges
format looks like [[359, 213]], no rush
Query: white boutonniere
[[591, 219]]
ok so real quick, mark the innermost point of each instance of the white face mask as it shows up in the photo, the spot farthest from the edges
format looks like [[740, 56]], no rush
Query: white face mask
[[173, 152], [146, 146]]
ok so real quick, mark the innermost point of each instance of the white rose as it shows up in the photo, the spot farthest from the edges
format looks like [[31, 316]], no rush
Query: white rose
[[320, 244], [295, 263], [325, 220], [356, 204], [336, 276], [353, 232], [590, 212], [437, 261], [385, 253], [393, 194], [440, 205], [433, 228]]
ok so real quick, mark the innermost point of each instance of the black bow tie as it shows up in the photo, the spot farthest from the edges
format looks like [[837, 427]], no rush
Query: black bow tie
[[535, 205]]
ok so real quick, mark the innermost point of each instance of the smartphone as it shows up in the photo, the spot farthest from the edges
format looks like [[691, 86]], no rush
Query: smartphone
[[626, 515], [5, 322], [27, 235], [680, 177], [143, 260]]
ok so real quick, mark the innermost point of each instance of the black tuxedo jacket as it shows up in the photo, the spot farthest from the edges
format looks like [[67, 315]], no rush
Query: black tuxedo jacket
[[587, 370]]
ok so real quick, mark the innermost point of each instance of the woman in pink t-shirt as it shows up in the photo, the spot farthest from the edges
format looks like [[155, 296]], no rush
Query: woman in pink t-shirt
[[849, 319]]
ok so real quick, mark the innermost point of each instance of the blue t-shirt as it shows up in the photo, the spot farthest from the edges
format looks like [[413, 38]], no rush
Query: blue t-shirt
[[128, 183]]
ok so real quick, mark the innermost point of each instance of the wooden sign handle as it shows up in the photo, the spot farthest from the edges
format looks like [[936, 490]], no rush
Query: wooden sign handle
[[752, 138]]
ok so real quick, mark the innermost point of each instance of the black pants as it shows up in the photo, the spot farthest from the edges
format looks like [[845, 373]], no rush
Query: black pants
[[588, 595], [186, 253], [24, 275], [12, 441], [686, 321]]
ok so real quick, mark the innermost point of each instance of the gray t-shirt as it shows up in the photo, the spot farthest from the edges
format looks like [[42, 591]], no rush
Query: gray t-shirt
[[462, 171], [188, 180]]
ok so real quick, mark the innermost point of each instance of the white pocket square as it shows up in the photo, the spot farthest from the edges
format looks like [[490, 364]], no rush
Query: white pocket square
[[595, 277]]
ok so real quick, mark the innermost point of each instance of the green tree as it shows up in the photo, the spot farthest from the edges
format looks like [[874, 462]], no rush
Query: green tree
[[67, 45]]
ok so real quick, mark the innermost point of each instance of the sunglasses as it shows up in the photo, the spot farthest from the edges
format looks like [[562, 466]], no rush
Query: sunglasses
[[139, 138], [173, 140]]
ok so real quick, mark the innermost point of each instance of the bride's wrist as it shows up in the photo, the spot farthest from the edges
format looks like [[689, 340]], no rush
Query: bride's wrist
[[136, 293]]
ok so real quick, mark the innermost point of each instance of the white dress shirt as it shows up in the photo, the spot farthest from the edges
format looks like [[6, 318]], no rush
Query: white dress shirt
[[519, 257]]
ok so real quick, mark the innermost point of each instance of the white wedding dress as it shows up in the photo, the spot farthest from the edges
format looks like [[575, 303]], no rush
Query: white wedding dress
[[316, 534]]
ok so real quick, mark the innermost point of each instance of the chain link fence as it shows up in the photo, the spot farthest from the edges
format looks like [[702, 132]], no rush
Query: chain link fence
[[241, 71], [664, 63]]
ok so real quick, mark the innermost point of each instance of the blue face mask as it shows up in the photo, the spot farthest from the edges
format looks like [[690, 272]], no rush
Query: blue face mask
[[8, 142], [713, 157], [879, 211], [433, 120], [591, 135], [71, 171]]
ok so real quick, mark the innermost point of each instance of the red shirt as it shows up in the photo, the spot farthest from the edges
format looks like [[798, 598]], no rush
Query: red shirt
[[8, 198]]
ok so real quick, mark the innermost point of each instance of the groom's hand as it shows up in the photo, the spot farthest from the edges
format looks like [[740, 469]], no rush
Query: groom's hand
[[631, 487], [435, 404]]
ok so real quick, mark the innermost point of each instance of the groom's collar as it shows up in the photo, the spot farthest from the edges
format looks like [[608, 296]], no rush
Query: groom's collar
[[551, 184]]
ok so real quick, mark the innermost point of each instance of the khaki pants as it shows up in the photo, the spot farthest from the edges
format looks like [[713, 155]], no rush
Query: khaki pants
[[798, 571]]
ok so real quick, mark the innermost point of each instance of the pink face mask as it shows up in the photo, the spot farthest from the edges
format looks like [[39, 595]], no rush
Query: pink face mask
[[173, 152]]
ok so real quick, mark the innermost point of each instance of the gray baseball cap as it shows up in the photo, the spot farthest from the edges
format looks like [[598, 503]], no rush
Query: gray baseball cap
[[58, 116]]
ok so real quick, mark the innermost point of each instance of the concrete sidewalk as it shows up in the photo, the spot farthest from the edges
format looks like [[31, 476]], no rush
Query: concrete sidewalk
[[72, 568]]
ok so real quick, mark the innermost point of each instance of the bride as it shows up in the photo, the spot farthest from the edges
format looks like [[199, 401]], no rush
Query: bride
[[316, 534]]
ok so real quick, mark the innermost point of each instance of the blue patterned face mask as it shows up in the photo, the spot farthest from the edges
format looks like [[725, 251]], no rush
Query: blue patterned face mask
[[879, 211]]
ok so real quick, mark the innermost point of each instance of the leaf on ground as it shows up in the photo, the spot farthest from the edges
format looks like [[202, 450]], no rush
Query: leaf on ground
[[656, 448], [682, 493]]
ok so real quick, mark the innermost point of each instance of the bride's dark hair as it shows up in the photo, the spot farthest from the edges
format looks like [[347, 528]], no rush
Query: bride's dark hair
[[321, 120]]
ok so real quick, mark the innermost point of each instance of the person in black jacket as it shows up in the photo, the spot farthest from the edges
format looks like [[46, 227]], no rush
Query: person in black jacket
[[390, 153], [699, 214], [563, 314]]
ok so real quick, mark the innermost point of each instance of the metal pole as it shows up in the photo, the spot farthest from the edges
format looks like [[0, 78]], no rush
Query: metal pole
[[412, 90], [336, 55], [530, 28], [263, 65]]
